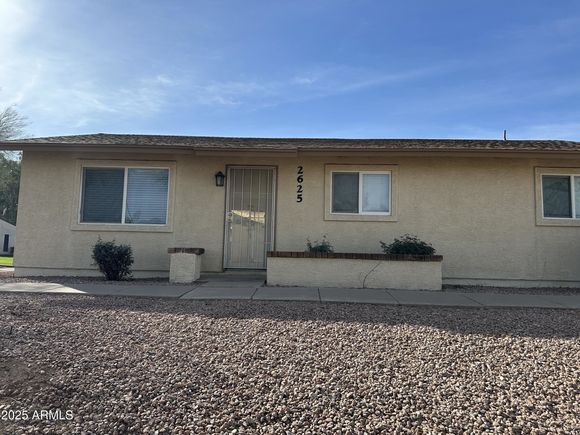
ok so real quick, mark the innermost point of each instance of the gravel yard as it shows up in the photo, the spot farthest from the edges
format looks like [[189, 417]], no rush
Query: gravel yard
[[128, 365]]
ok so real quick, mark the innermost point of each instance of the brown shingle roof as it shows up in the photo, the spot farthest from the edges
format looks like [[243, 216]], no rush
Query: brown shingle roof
[[297, 144]]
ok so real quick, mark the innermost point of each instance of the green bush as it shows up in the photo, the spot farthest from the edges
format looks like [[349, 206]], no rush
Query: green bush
[[409, 245], [114, 260], [323, 246]]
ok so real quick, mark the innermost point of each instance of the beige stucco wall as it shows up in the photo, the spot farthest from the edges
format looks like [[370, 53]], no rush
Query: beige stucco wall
[[478, 212], [347, 273]]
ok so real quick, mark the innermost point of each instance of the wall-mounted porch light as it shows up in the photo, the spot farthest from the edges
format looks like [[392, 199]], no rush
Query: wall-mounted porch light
[[219, 179]]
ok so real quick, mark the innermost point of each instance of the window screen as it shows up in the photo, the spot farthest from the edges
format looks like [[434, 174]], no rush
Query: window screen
[[102, 200], [146, 196], [557, 198], [375, 193], [345, 192]]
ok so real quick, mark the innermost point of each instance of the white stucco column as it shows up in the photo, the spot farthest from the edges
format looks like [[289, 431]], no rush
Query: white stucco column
[[184, 264]]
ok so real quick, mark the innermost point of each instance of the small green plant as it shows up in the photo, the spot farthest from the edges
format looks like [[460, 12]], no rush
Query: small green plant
[[114, 260], [409, 245], [323, 246]]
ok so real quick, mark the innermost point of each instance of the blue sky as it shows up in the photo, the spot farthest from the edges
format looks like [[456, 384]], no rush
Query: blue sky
[[337, 68]]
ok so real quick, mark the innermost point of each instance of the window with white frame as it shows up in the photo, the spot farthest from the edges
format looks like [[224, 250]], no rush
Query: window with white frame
[[561, 196], [124, 195], [361, 192]]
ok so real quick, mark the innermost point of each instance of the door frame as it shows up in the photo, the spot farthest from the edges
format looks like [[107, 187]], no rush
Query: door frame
[[274, 169]]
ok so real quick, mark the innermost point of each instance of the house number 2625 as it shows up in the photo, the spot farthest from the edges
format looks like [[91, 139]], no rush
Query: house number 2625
[[299, 180]]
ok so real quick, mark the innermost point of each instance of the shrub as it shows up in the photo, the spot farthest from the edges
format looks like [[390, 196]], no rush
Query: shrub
[[408, 244], [323, 246], [114, 260]]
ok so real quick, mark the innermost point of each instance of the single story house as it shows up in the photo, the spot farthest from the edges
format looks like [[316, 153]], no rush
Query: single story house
[[499, 212], [7, 236]]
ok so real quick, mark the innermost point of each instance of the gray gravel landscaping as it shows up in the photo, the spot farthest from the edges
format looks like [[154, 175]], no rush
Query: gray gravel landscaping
[[128, 365]]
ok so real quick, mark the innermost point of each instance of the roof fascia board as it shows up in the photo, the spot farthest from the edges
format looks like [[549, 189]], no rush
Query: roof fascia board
[[248, 153], [96, 149], [167, 149], [446, 153]]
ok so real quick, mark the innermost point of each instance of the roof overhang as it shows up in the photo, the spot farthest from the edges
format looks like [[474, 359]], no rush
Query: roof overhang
[[269, 152]]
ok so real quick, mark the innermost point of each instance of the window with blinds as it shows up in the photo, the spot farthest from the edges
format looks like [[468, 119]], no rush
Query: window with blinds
[[115, 195]]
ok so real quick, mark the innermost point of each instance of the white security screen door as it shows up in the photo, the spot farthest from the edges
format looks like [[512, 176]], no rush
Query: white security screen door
[[249, 216]]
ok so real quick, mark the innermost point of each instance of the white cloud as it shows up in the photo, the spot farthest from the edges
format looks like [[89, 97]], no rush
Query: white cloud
[[15, 18], [60, 87], [301, 80], [54, 94], [318, 82]]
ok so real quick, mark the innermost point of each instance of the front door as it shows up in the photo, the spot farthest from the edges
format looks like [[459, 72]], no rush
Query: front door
[[249, 216]]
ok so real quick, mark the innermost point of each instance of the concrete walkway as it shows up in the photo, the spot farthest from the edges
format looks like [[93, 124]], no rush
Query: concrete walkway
[[251, 289]]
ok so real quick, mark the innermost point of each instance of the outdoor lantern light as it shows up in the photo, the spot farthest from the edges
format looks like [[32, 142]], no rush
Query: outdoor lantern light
[[219, 179]]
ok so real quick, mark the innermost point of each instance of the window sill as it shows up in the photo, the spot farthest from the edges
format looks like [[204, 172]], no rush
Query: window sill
[[121, 228], [558, 222], [328, 216]]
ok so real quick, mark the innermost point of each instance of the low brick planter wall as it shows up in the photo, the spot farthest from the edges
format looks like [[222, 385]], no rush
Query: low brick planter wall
[[351, 270]]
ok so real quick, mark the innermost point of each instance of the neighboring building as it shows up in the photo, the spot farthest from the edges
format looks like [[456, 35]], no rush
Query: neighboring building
[[500, 212], [7, 236]]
